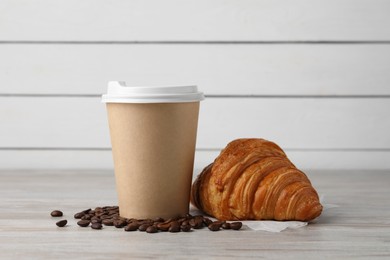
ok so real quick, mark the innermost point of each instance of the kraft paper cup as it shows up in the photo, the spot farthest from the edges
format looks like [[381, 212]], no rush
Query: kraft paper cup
[[153, 135]]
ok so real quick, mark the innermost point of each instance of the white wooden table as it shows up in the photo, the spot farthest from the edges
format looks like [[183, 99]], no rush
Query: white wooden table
[[359, 227]]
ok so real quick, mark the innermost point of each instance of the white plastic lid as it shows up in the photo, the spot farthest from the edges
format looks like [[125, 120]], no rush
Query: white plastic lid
[[118, 92]]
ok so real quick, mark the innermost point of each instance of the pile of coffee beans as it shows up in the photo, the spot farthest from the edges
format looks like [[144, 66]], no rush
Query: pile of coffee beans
[[109, 216]]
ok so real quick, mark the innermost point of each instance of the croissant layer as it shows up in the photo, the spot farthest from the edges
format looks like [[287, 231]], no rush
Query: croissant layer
[[254, 179]]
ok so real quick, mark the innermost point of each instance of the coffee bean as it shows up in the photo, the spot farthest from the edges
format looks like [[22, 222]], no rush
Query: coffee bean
[[56, 213], [185, 228], [132, 227], [108, 222], [226, 225], [120, 223], [163, 226], [96, 226], [62, 223], [175, 227], [86, 217], [207, 221], [143, 227], [79, 215], [236, 225], [145, 221], [109, 216], [151, 229], [214, 226], [158, 220], [96, 220], [86, 211], [83, 223], [196, 223]]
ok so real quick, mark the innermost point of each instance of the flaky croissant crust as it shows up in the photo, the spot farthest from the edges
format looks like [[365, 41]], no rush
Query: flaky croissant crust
[[254, 179]]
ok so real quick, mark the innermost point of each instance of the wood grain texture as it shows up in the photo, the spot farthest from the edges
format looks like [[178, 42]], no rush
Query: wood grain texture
[[102, 159], [174, 20], [292, 123], [358, 228], [320, 70]]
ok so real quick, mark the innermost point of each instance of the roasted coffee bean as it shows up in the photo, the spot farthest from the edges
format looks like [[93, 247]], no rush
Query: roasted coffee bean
[[185, 228], [145, 221], [226, 225], [86, 217], [175, 227], [56, 213], [102, 214], [83, 223], [181, 220], [108, 222], [163, 226], [236, 225], [120, 223], [62, 223], [196, 223], [86, 211], [143, 227], [214, 226], [207, 221], [158, 220], [151, 229], [132, 227], [79, 215], [96, 226], [96, 220]]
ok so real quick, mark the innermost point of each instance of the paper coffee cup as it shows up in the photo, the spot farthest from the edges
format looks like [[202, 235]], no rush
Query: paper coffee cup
[[153, 135]]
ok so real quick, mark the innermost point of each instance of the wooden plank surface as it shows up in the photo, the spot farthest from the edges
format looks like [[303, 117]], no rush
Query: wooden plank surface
[[358, 228], [174, 20], [307, 123], [102, 159], [217, 69]]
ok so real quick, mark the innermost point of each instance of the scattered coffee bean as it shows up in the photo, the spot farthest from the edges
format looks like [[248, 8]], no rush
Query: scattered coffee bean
[[143, 227], [83, 223], [109, 216], [96, 226], [151, 229], [196, 222], [185, 228], [207, 221], [132, 227], [86, 217], [96, 220], [236, 225], [163, 226], [62, 223], [56, 213], [120, 223], [158, 220], [175, 227], [226, 225], [79, 215], [214, 226], [108, 222]]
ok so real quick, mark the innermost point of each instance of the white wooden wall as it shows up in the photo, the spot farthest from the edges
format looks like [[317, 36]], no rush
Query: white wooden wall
[[311, 75]]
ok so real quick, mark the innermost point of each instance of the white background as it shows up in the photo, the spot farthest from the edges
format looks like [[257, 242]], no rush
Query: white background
[[310, 75]]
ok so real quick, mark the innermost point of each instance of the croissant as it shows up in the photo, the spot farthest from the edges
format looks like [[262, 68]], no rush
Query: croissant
[[252, 179]]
